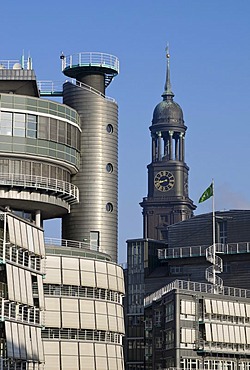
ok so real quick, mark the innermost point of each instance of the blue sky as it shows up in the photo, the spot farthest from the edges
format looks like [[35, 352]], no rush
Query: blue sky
[[210, 75]]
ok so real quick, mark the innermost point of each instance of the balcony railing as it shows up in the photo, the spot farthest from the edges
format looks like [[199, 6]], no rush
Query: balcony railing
[[196, 287], [66, 243], [199, 251], [62, 189]]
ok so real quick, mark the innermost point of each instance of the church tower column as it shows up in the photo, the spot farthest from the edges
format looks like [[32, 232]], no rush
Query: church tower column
[[167, 198]]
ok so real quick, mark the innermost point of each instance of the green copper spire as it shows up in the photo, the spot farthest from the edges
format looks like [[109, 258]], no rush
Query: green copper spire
[[168, 94]]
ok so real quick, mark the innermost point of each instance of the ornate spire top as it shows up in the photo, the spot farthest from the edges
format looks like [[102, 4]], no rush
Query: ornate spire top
[[168, 94]]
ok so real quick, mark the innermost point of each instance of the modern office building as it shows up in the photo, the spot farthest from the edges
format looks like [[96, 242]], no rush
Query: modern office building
[[60, 160], [175, 319]]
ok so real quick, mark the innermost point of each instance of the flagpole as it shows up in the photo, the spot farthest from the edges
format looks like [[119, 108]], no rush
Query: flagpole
[[214, 246]]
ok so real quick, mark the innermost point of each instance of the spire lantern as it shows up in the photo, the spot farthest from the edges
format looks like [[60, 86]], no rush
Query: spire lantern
[[168, 94]]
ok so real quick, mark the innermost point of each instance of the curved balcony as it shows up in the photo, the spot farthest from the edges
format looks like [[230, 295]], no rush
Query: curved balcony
[[107, 63], [61, 189]]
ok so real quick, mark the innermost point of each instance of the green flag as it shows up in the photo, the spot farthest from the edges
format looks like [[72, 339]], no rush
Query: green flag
[[209, 192]]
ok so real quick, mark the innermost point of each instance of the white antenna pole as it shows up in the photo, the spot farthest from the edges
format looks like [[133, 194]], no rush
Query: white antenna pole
[[214, 244]]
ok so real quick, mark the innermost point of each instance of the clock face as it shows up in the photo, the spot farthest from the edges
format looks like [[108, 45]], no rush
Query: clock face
[[164, 181]]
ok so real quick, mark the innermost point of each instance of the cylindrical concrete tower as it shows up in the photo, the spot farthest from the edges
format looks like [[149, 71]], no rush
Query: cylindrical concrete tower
[[94, 219]]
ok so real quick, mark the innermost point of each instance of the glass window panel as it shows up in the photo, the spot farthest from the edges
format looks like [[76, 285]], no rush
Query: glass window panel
[[6, 117], [43, 128], [19, 117], [19, 132], [31, 118], [53, 129]]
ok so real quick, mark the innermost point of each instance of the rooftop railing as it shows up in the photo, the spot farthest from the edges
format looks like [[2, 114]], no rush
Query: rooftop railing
[[196, 287], [91, 59], [16, 64], [66, 243], [199, 251], [63, 189], [54, 88]]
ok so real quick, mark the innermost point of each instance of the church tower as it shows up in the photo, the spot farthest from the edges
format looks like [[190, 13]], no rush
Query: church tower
[[167, 201]]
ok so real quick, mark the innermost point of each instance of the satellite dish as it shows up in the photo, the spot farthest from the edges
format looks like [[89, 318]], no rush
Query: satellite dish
[[17, 66], [2, 66]]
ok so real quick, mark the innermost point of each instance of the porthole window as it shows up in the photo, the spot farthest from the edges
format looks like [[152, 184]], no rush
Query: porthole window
[[109, 167], [110, 128], [109, 207]]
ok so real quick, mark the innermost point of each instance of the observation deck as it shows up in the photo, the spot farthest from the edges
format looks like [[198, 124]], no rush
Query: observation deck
[[90, 63]]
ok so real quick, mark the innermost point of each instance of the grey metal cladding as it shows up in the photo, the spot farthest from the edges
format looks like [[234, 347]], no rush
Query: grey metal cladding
[[96, 185]]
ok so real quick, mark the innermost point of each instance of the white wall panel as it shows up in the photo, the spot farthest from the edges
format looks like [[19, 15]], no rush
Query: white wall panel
[[231, 334], [237, 308], [87, 305], [220, 333], [36, 240], [111, 309], [248, 334], [248, 310], [87, 265], [25, 244], [29, 287], [52, 304], [28, 342], [71, 277], [237, 334], [41, 242], [112, 320], [102, 281], [53, 276], [225, 308], [40, 291], [208, 305], [112, 364], [11, 229], [53, 262], [111, 269], [30, 239], [34, 343], [214, 306], [214, 332], [87, 363], [69, 362], [70, 263], [69, 348], [120, 285], [23, 292], [243, 335], [111, 351], [10, 282], [86, 349], [231, 309], [112, 281], [102, 322], [53, 319], [88, 321], [70, 304], [9, 342], [18, 232], [51, 347], [15, 340], [101, 307], [220, 307], [101, 266], [22, 343], [16, 280], [120, 323], [208, 332], [88, 279], [226, 333], [39, 344], [242, 310], [70, 320], [52, 362]]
